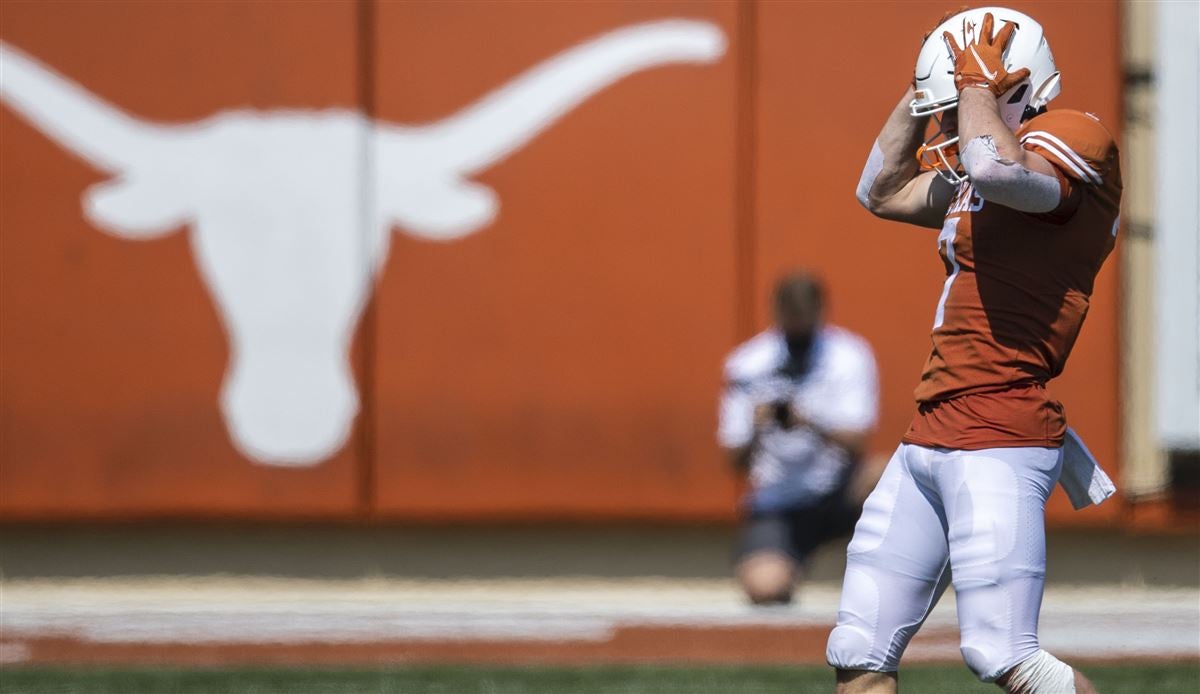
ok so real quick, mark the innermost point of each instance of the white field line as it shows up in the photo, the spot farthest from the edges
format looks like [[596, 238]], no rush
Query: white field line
[[319, 621], [1089, 622]]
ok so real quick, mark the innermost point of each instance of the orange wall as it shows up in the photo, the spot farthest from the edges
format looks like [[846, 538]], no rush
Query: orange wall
[[564, 361], [111, 353]]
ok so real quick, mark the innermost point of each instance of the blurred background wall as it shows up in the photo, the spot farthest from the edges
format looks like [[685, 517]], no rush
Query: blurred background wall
[[559, 361]]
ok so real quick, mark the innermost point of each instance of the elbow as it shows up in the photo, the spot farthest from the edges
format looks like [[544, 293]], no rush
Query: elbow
[[866, 182], [1013, 186], [981, 170], [984, 167], [1006, 182], [879, 207], [992, 179], [870, 204], [864, 199]]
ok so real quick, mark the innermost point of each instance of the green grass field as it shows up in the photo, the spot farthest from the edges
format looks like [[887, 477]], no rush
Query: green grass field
[[950, 679]]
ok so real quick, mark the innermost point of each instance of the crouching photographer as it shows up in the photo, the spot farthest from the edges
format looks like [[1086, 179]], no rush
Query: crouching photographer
[[798, 404]]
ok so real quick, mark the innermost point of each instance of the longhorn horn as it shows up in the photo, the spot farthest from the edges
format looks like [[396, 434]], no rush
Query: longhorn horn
[[78, 120], [511, 115]]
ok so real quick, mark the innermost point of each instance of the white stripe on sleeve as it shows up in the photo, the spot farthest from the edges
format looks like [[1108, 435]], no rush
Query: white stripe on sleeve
[[1065, 154]]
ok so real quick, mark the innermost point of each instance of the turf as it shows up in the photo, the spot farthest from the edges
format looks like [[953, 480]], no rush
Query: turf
[[1112, 679]]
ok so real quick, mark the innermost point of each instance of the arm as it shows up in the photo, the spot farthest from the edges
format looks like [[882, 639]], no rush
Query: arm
[[847, 417], [892, 185], [853, 441], [740, 456], [867, 471], [740, 422], [1000, 169]]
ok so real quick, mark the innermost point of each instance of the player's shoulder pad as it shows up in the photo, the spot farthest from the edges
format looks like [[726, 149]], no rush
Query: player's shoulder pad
[[1077, 143], [753, 358]]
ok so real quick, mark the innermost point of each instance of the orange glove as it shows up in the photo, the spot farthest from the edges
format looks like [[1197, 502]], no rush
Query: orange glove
[[981, 63]]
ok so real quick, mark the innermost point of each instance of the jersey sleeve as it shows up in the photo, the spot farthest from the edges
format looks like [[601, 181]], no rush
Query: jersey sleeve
[[1076, 144]]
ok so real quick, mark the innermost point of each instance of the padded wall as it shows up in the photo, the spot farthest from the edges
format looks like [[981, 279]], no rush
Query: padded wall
[[528, 324]]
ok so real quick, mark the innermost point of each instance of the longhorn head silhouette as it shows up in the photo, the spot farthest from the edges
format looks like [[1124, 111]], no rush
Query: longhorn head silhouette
[[275, 206]]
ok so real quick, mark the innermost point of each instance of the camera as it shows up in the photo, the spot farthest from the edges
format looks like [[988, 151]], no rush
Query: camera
[[782, 411]]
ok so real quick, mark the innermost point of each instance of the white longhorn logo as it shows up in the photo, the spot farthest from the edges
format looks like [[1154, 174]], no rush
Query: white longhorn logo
[[283, 235]]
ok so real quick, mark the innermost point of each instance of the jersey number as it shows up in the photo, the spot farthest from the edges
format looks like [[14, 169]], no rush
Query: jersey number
[[946, 244]]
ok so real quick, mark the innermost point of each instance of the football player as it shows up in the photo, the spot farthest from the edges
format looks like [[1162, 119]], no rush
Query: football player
[[1027, 201]]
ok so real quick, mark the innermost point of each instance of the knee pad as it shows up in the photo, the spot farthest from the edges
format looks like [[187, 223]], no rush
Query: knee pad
[[852, 643], [987, 664], [1041, 674], [849, 648]]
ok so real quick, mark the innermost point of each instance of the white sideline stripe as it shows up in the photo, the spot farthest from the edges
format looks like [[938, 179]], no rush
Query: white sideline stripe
[[1065, 153], [358, 623], [1079, 627], [1080, 622], [242, 628]]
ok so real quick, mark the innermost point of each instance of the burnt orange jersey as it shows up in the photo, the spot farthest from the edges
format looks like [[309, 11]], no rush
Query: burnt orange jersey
[[1016, 293]]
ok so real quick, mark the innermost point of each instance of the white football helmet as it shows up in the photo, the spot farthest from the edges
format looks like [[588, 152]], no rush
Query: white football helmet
[[934, 79]]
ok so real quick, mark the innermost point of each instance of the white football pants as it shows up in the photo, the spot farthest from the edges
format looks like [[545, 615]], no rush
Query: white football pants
[[975, 515]]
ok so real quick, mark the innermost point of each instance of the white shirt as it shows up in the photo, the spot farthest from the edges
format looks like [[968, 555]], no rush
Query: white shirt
[[840, 391]]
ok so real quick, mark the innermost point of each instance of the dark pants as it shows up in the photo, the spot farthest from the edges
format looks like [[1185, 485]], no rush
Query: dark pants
[[798, 531]]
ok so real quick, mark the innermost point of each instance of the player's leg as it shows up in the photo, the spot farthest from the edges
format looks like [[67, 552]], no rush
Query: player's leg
[[896, 569], [866, 682], [762, 565], [1083, 685], [1045, 674], [830, 518], [767, 578], [995, 503], [838, 513]]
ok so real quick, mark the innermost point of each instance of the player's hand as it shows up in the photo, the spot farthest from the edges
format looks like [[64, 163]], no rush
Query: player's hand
[[980, 64]]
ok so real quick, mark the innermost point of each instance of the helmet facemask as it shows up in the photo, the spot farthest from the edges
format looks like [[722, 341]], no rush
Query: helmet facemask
[[940, 151]]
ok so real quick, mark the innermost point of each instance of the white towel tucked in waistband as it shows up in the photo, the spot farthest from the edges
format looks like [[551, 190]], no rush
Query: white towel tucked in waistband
[[1082, 479]]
